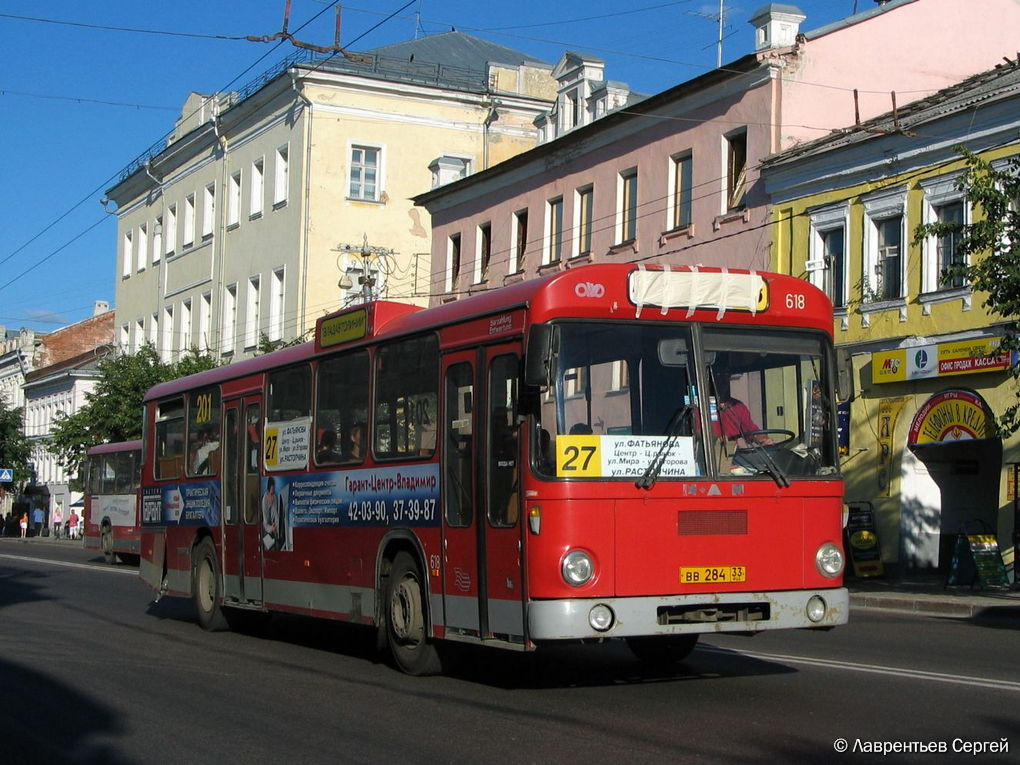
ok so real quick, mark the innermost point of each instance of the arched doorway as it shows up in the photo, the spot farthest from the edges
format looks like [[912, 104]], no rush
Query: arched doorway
[[953, 437]]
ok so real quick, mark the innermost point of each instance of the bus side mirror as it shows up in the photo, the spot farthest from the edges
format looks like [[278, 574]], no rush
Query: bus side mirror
[[538, 361], [844, 375]]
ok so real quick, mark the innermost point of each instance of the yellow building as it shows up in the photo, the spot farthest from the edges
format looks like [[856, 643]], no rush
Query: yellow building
[[920, 447], [270, 206]]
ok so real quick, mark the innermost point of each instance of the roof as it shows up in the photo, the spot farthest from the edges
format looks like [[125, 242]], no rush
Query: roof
[[1001, 82], [456, 49]]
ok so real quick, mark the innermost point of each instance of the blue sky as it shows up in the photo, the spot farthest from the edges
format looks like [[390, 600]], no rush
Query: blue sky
[[86, 87]]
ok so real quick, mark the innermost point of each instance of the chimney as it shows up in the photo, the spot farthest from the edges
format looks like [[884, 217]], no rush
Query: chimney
[[101, 307], [776, 26]]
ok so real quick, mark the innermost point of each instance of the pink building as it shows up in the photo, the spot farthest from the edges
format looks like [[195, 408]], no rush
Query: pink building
[[675, 177]]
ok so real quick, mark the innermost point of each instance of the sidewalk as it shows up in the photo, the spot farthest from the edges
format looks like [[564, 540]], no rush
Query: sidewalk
[[929, 595]]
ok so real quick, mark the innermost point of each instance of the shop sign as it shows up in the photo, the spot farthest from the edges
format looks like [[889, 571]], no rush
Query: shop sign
[[939, 360], [952, 415]]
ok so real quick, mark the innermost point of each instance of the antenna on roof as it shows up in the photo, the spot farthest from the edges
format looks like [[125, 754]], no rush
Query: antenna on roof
[[417, 22]]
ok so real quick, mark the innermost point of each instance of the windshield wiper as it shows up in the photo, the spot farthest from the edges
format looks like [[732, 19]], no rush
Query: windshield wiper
[[768, 465], [651, 473]]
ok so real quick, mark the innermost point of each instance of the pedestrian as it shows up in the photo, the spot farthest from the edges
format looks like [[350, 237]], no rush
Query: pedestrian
[[38, 517], [24, 526], [73, 529], [58, 521]]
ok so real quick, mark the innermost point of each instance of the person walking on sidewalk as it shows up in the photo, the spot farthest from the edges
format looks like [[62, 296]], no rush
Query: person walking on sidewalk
[[73, 529], [24, 526], [58, 522]]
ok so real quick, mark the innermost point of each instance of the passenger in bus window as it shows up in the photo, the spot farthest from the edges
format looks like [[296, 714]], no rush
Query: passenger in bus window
[[325, 452], [205, 446], [354, 447]]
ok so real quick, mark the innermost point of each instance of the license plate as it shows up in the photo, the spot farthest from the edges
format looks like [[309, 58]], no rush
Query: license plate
[[712, 574]]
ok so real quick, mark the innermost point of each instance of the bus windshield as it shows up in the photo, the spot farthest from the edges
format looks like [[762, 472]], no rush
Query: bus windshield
[[666, 401]]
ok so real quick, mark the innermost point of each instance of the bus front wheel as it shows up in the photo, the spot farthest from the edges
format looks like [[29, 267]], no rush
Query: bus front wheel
[[662, 650], [205, 586], [406, 627]]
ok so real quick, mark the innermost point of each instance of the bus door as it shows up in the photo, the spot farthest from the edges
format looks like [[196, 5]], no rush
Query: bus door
[[242, 551], [482, 582]]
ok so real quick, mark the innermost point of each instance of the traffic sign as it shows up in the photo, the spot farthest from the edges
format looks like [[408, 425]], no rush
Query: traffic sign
[[6, 475]]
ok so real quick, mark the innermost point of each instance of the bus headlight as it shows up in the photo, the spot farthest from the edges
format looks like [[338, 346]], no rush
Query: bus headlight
[[815, 609], [601, 617], [577, 568], [829, 560]]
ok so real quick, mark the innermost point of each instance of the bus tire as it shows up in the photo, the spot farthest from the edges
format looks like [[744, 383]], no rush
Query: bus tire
[[406, 623], [662, 650], [106, 542], [205, 586]]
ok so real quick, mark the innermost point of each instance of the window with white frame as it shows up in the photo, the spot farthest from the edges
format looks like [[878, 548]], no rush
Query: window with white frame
[[681, 169], [519, 223], [139, 337], [943, 203], [154, 331], [275, 329], [166, 342], [452, 262], [281, 179], [189, 220], [228, 332], [884, 257], [142, 246], [208, 210], [204, 321], [627, 206], [251, 312], [170, 232], [553, 231], [125, 337], [736, 170], [157, 240], [185, 326], [128, 259], [483, 252], [364, 178], [584, 219], [234, 199], [257, 188], [827, 261]]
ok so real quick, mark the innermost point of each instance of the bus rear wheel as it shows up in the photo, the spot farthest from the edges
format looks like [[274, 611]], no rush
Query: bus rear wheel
[[205, 586], [107, 544], [662, 650], [406, 625]]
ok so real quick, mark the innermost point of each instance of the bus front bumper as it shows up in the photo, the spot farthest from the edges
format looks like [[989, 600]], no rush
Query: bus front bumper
[[583, 618]]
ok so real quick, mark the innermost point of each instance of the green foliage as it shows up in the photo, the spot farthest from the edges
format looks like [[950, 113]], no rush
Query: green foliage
[[15, 448], [113, 409], [268, 346], [990, 247]]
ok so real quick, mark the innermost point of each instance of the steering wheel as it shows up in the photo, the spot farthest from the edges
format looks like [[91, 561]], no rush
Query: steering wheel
[[771, 433]]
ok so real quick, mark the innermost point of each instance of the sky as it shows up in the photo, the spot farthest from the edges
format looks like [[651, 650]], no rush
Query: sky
[[88, 86]]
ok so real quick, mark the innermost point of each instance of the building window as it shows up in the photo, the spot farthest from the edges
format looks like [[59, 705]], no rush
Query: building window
[[275, 329], [157, 240], [364, 173], [281, 180], [185, 328], [827, 263], [204, 321], [626, 211], [128, 259], [143, 246], [167, 340], [483, 245], [520, 233], [554, 230], [584, 219], [234, 199], [189, 220], [943, 203], [208, 210], [736, 170], [883, 246], [170, 232], [680, 196], [228, 335], [251, 312], [154, 331], [125, 337], [452, 262], [257, 188]]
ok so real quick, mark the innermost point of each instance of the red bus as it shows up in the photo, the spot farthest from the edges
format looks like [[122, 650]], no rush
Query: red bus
[[111, 500], [556, 460]]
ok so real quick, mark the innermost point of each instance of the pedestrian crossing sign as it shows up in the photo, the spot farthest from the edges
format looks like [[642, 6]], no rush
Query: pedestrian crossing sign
[[6, 475]]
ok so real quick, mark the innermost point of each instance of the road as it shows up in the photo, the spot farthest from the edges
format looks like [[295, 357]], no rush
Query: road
[[93, 672]]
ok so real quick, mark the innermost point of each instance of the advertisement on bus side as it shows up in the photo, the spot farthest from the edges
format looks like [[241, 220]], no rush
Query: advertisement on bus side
[[189, 504]]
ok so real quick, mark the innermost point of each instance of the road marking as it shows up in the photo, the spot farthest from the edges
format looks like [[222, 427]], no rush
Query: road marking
[[878, 669], [89, 566]]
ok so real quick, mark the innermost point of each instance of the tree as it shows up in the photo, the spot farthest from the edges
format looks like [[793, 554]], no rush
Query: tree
[[988, 252], [113, 409], [15, 448]]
